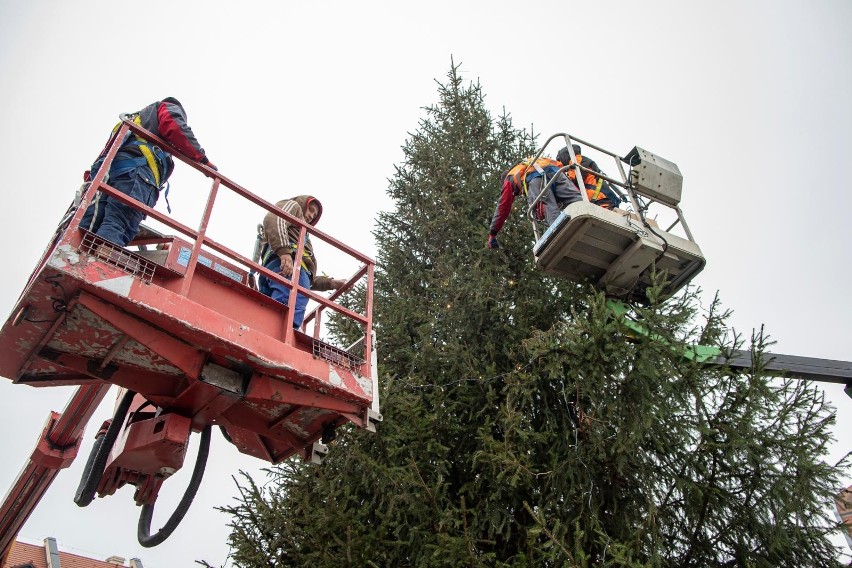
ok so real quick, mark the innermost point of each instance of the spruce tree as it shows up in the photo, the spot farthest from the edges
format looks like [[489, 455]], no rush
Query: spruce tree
[[524, 424]]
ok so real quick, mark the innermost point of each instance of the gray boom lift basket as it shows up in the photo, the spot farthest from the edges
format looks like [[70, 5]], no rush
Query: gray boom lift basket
[[618, 250]]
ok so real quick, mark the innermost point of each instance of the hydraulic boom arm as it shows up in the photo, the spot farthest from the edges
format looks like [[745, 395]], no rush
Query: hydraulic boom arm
[[56, 449], [805, 368], [808, 368]]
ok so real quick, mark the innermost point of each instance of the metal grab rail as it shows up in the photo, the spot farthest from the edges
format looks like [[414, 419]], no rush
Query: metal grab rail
[[200, 238], [569, 140], [632, 194]]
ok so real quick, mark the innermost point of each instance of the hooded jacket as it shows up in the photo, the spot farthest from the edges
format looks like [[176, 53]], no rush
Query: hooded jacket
[[282, 237]]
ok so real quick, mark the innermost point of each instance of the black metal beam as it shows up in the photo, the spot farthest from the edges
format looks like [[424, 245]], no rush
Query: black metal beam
[[809, 368]]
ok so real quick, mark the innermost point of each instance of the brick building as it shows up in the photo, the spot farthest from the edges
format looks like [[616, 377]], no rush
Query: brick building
[[24, 555]]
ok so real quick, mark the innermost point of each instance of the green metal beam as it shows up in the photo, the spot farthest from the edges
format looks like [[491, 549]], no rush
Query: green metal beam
[[806, 368]]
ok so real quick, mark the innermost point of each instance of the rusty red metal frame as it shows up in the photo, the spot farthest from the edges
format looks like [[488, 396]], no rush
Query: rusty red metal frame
[[200, 239], [268, 420]]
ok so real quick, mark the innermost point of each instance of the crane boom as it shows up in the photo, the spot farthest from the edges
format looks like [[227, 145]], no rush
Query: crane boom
[[795, 366], [55, 450], [808, 368]]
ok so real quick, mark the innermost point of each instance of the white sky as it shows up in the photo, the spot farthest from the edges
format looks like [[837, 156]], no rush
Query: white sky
[[750, 99]]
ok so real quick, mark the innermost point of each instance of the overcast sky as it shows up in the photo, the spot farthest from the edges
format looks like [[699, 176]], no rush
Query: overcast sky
[[749, 98]]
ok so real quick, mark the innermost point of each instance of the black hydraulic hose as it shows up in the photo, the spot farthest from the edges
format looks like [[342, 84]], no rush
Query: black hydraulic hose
[[658, 235], [99, 440], [143, 533], [96, 463], [225, 434]]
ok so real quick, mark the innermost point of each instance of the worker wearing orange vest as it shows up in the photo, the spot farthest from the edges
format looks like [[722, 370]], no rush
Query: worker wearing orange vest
[[597, 189], [529, 178]]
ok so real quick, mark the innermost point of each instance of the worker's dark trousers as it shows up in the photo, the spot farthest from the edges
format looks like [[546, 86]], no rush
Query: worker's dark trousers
[[560, 193], [113, 220], [281, 293]]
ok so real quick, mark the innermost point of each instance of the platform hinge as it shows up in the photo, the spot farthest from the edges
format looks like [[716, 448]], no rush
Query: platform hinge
[[373, 418], [318, 452]]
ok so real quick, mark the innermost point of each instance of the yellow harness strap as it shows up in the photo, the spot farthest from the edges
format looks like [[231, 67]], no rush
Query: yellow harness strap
[[146, 151], [152, 162], [144, 148], [597, 189], [524, 168], [305, 257], [270, 253]]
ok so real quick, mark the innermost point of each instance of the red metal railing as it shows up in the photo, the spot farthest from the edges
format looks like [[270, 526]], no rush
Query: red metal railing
[[200, 239]]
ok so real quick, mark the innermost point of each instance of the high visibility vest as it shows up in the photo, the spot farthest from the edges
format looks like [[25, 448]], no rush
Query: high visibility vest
[[526, 169], [589, 179], [592, 185]]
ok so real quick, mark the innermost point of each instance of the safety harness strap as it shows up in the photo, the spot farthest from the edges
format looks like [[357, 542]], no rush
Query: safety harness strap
[[268, 254], [597, 189], [124, 165]]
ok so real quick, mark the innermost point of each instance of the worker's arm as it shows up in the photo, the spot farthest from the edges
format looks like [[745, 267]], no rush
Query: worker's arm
[[593, 166], [501, 212], [173, 127], [322, 283]]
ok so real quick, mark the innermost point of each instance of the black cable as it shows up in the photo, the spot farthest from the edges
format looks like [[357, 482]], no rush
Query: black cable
[[143, 533], [659, 236], [39, 321], [225, 434], [665, 244], [59, 304], [644, 219], [96, 463], [99, 439]]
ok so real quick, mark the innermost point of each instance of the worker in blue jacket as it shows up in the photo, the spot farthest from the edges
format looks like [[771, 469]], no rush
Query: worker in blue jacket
[[140, 169]]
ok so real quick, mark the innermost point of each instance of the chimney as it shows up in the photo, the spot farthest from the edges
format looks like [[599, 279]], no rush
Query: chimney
[[51, 553], [117, 560], [135, 563]]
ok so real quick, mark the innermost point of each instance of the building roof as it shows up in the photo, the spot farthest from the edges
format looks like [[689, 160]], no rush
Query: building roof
[[24, 555]]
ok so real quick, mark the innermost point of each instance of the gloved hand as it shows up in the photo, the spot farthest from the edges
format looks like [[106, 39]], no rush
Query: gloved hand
[[539, 211], [492, 242], [337, 283]]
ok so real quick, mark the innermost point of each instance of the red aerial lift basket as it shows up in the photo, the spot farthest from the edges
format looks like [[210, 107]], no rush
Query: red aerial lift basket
[[181, 324], [176, 321]]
